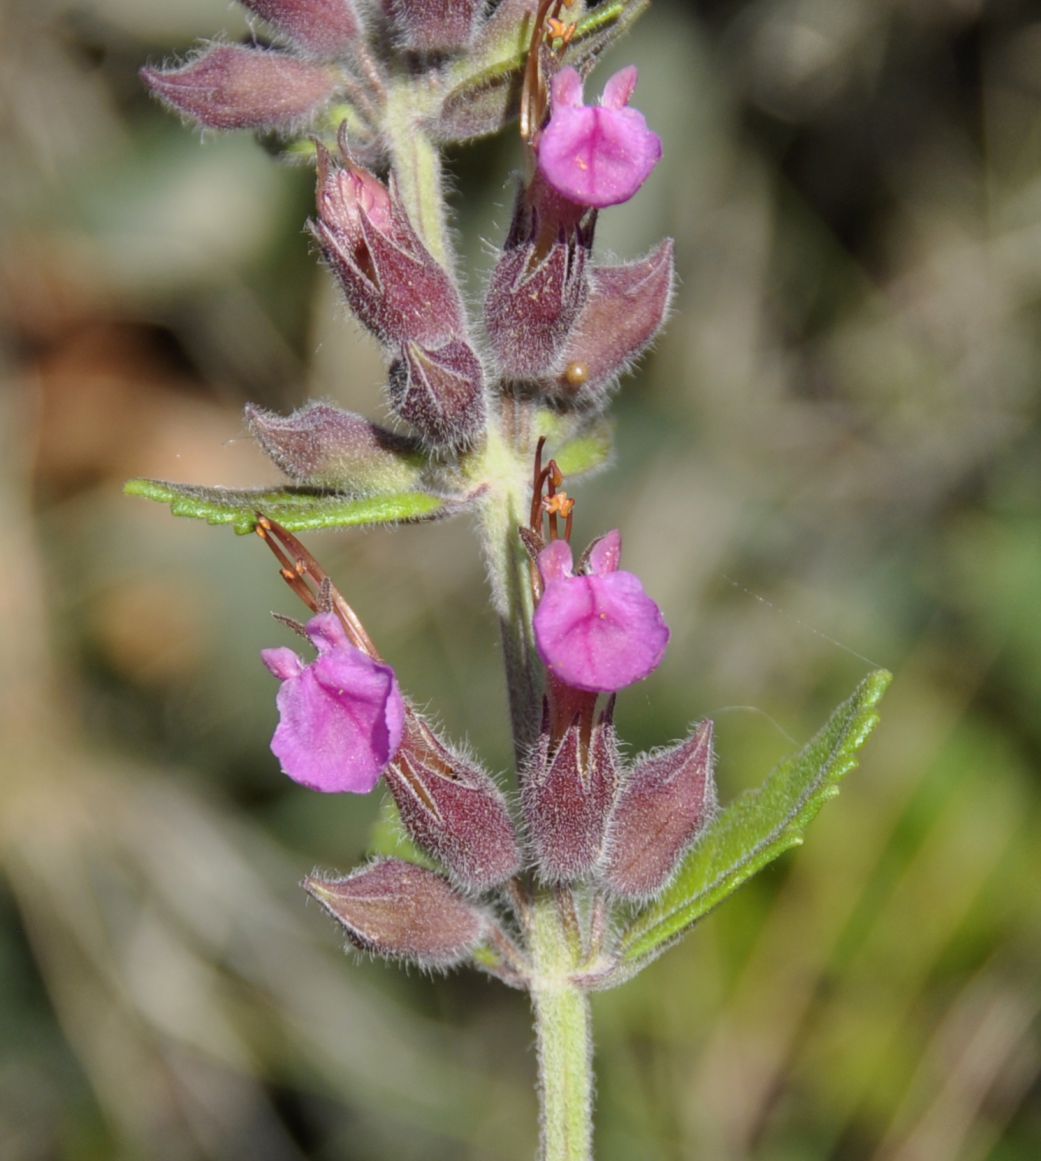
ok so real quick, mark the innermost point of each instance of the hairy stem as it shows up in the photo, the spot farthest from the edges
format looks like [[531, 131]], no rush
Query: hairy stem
[[416, 165], [506, 470], [563, 1040]]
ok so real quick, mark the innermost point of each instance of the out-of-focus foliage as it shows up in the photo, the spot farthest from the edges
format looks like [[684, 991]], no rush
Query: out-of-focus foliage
[[833, 455]]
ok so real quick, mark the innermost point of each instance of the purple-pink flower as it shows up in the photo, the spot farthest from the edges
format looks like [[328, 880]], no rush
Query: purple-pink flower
[[598, 631], [597, 155], [340, 717]]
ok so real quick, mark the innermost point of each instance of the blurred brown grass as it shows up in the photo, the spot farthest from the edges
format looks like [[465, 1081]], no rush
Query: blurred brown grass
[[833, 455]]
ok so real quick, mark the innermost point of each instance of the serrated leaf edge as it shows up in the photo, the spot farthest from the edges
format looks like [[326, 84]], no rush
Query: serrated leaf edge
[[640, 942]]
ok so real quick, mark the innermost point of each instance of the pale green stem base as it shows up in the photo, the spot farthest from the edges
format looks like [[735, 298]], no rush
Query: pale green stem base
[[564, 1040], [506, 473], [416, 165]]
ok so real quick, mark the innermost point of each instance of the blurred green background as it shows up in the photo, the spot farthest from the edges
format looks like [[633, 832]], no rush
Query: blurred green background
[[832, 456]]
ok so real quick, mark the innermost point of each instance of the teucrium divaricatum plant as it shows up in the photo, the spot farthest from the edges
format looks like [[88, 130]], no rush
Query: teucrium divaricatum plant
[[600, 862]]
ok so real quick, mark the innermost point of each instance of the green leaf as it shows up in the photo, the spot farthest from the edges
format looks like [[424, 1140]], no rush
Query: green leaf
[[759, 826], [388, 838], [296, 508], [586, 452]]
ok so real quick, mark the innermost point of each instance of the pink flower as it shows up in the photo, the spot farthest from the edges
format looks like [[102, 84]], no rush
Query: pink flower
[[598, 631], [340, 718], [597, 155]]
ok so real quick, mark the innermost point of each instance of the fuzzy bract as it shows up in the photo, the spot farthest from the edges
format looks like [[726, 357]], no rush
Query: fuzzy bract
[[340, 717]]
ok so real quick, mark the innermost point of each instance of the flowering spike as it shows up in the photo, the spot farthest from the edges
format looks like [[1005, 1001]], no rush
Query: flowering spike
[[230, 86], [624, 311], [453, 810], [326, 29], [600, 155], [439, 26], [440, 392], [396, 909], [390, 280], [325, 446], [664, 806], [596, 632], [539, 284], [567, 799], [340, 717]]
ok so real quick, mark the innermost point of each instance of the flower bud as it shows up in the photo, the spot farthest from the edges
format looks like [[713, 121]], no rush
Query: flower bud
[[538, 286], [324, 28], [663, 807], [391, 282], [567, 800], [230, 86], [624, 311], [434, 25], [453, 810], [440, 392], [397, 909], [324, 446]]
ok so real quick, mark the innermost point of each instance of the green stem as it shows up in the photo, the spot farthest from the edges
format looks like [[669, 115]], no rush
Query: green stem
[[505, 472], [416, 164], [564, 1040]]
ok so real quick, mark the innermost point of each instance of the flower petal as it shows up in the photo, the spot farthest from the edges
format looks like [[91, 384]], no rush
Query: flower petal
[[556, 561], [600, 633], [597, 156], [341, 718], [606, 553]]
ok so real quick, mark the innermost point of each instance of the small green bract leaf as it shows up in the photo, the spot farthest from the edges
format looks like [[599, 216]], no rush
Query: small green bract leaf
[[295, 508], [388, 838], [587, 452], [758, 826]]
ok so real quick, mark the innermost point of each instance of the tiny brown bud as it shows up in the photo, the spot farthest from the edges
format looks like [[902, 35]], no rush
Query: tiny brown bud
[[624, 311]]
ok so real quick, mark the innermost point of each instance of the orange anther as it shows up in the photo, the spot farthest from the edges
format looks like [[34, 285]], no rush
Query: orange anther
[[560, 30], [559, 505]]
